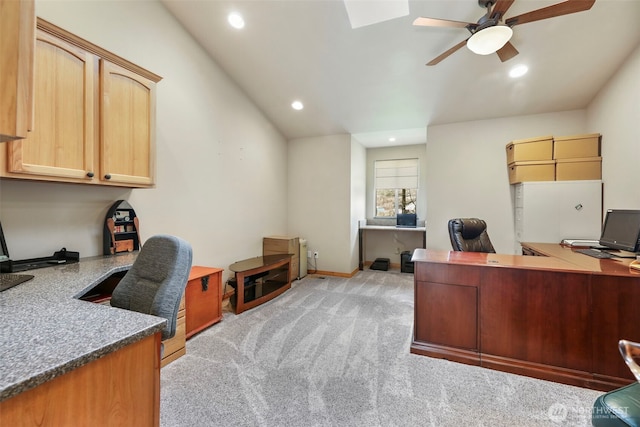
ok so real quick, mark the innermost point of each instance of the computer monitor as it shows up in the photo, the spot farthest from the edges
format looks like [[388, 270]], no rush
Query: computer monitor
[[406, 220], [621, 230]]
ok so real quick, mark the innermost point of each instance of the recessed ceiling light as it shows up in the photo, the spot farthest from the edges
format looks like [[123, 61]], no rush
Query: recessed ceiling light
[[392, 139], [518, 71], [236, 20], [297, 105]]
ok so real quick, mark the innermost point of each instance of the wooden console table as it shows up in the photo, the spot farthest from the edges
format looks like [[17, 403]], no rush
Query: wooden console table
[[557, 317], [260, 279]]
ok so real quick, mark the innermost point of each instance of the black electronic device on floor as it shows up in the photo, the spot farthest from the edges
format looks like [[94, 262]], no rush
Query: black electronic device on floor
[[406, 265], [381, 264]]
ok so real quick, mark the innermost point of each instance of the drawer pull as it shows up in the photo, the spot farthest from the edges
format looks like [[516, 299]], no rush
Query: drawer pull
[[205, 283]]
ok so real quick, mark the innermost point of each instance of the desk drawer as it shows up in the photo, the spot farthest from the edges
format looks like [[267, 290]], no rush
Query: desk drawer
[[447, 274]]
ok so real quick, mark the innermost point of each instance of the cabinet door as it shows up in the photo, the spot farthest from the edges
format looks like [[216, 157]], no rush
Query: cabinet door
[[17, 35], [551, 211], [127, 143], [62, 142]]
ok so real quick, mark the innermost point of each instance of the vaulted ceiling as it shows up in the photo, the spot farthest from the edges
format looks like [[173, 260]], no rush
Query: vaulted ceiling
[[372, 82]]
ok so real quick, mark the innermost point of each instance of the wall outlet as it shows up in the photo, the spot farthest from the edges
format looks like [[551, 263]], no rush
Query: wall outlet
[[315, 254]]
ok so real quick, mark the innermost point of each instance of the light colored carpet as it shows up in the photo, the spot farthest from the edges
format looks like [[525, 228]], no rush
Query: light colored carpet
[[335, 352]]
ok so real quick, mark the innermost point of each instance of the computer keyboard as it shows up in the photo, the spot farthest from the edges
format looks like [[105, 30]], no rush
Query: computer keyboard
[[9, 280], [595, 253]]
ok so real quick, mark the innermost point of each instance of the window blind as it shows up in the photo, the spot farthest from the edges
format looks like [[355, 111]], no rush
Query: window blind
[[399, 173]]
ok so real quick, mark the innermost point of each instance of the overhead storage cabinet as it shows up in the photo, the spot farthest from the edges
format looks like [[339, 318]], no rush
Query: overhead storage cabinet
[[17, 30], [94, 116], [62, 143]]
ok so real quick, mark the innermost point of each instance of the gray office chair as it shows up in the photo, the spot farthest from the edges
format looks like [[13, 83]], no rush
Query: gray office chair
[[156, 281], [469, 235]]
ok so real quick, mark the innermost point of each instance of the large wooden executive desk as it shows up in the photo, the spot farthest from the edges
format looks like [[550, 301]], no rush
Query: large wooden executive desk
[[557, 316]]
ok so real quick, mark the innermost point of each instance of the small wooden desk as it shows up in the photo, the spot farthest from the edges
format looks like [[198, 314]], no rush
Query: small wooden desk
[[260, 279], [556, 317], [362, 244]]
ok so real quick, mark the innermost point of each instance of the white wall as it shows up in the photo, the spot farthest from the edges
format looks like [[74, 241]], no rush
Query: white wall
[[221, 165], [320, 199], [466, 168], [615, 113], [358, 196], [467, 171]]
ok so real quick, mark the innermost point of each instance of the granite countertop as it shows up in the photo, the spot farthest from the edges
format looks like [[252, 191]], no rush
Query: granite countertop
[[45, 331]]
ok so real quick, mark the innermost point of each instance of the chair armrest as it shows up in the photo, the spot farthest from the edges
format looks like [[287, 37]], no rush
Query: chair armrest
[[630, 352]]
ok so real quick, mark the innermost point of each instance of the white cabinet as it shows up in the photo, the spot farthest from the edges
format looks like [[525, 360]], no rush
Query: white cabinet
[[549, 211]]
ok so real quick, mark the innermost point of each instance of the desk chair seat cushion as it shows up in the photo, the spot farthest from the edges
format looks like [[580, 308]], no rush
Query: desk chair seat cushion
[[469, 235], [156, 281], [618, 408]]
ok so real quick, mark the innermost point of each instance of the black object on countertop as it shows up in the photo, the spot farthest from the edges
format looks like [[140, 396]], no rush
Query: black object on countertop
[[63, 256]]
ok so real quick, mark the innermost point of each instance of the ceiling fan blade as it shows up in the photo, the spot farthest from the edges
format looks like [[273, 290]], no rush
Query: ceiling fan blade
[[564, 8], [501, 8], [439, 58], [434, 22], [507, 52]]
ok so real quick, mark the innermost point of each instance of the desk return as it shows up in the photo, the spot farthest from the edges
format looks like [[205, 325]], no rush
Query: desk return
[[540, 316]]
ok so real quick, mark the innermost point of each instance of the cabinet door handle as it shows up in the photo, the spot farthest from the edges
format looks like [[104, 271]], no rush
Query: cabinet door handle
[[90, 174], [107, 176]]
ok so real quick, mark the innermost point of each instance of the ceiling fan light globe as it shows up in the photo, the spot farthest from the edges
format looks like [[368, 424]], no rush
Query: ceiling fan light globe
[[489, 40]]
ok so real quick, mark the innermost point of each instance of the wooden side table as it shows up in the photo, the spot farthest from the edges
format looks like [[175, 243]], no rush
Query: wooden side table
[[203, 298]]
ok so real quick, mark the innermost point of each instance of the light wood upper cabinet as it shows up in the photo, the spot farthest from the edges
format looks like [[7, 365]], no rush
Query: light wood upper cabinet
[[17, 35], [94, 116], [62, 143], [127, 150]]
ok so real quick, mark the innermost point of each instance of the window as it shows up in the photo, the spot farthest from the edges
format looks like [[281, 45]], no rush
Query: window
[[396, 184]]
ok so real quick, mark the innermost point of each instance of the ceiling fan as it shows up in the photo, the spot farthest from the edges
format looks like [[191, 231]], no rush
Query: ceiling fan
[[489, 36]]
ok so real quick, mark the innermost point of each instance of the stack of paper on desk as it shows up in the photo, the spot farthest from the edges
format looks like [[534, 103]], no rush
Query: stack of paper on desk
[[580, 242]]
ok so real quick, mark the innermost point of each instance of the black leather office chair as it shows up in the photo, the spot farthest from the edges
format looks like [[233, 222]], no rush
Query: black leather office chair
[[621, 407], [156, 281], [469, 235]]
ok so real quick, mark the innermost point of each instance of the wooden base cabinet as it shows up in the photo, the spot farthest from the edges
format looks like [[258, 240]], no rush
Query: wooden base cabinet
[[119, 389], [203, 299], [176, 347]]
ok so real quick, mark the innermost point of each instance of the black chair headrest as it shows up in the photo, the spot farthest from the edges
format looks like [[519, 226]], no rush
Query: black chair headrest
[[472, 227]]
